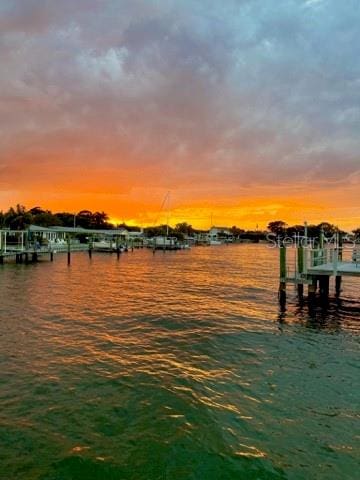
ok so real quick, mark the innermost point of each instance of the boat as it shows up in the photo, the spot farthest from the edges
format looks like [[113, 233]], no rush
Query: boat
[[215, 242], [165, 243], [107, 246]]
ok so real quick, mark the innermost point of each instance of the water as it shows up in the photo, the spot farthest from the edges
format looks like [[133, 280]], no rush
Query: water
[[174, 366]]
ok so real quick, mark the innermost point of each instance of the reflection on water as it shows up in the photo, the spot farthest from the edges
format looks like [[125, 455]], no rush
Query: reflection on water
[[174, 366]]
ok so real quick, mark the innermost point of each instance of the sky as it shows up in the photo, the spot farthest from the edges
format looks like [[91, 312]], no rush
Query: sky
[[246, 111]]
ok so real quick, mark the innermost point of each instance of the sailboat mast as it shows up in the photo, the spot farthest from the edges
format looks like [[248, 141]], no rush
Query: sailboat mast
[[168, 213]]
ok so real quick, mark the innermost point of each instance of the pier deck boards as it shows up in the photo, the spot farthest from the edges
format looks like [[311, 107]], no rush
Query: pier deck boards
[[314, 262], [343, 268]]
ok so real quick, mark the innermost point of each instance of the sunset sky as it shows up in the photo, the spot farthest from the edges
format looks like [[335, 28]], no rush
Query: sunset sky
[[245, 110]]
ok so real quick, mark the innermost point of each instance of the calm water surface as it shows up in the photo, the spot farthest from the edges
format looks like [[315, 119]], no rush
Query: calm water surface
[[174, 366]]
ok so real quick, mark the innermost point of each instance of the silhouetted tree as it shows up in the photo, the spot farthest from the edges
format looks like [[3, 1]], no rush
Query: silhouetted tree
[[47, 219], [278, 227], [327, 228], [65, 218], [356, 232], [37, 211], [184, 228], [295, 230], [17, 218], [236, 232], [100, 220], [157, 231]]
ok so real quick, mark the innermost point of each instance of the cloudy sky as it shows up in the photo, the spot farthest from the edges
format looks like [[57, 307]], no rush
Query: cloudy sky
[[248, 110]]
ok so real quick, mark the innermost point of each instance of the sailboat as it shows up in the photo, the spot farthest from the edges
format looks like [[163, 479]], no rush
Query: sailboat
[[213, 239], [165, 242]]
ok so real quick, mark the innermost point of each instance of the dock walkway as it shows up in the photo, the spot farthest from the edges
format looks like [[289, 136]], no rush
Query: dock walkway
[[305, 263], [342, 268], [25, 246]]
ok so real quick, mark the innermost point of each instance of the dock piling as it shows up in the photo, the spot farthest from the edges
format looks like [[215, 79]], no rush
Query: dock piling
[[324, 285], [300, 265], [68, 249], [312, 288], [338, 278], [282, 284]]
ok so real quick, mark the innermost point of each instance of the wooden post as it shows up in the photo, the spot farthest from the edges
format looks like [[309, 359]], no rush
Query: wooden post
[[26, 239], [335, 260], [283, 262], [324, 285], [68, 249], [315, 257], [340, 244], [338, 278], [282, 284], [312, 288], [117, 241], [91, 246], [300, 265], [1, 248]]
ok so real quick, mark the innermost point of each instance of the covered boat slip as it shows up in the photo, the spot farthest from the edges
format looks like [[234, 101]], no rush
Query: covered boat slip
[[27, 245]]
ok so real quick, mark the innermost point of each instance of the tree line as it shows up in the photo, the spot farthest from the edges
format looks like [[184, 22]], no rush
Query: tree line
[[19, 218], [281, 229]]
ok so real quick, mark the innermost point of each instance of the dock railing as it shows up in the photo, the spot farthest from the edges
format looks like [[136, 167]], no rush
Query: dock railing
[[316, 257], [313, 261], [299, 260]]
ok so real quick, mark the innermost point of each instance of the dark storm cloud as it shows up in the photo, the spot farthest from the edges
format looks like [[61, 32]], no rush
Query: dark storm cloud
[[246, 92]]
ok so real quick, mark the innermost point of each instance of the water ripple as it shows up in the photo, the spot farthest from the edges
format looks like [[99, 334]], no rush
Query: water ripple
[[174, 366]]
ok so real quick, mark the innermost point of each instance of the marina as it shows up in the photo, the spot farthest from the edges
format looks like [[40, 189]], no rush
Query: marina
[[304, 262], [24, 246], [174, 366], [179, 240]]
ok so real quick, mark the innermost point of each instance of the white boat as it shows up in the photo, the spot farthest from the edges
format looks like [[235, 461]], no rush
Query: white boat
[[103, 246], [107, 246], [165, 243], [215, 242]]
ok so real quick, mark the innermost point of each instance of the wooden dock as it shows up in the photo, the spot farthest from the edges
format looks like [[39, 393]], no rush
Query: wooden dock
[[310, 263], [26, 246]]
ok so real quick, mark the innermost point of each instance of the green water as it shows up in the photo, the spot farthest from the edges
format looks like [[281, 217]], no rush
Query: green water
[[174, 366]]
